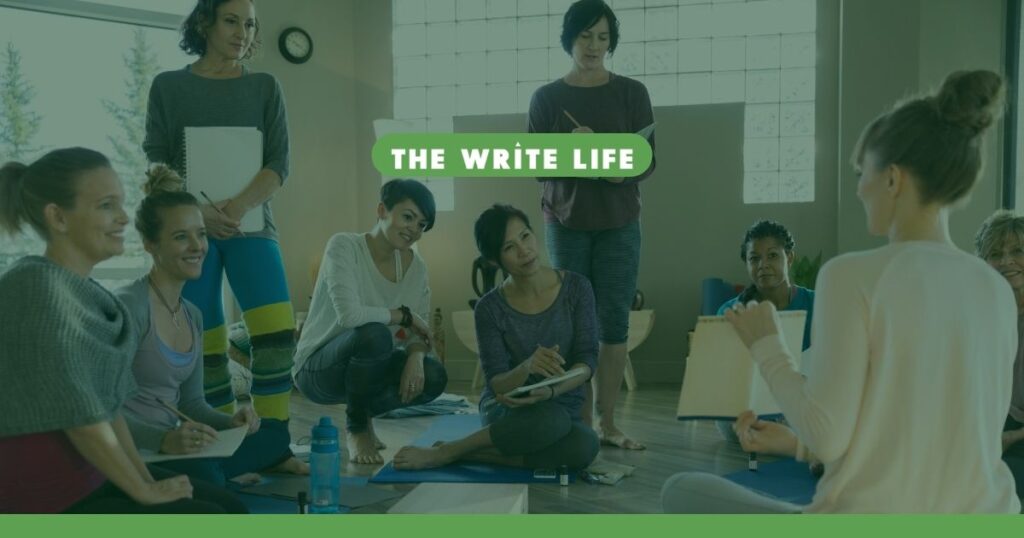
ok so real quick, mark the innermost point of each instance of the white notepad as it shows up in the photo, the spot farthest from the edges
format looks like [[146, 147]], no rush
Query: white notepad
[[721, 379], [225, 446], [221, 161], [549, 381]]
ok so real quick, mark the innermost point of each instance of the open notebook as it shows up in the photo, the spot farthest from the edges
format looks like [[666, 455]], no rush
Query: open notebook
[[721, 379], [221, 161]]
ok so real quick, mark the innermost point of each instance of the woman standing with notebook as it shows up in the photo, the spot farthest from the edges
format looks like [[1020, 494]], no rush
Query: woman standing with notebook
[[219, 91], [914, 342], [593, 224]]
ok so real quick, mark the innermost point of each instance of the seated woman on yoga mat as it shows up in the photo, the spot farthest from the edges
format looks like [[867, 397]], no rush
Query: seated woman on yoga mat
[[767, 251], [1000, 242], [537, 324], [914, 342], [168, 362], [365, 342], [66, 348]]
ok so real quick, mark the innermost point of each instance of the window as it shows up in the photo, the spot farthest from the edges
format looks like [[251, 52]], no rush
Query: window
[[90, 93], [469, 57]]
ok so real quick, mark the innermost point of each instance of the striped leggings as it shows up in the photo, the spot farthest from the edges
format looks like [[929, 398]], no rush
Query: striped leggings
[[256, 274]]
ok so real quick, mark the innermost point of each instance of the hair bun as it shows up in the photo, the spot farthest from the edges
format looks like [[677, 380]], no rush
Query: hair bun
[[160, 178], [972, 100]]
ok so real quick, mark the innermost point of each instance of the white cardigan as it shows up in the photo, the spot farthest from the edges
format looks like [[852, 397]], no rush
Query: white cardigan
[[909, 383], [350, 292]]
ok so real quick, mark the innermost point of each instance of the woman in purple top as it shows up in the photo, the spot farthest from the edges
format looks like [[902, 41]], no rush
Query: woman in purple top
[[593, 225], [539, 323]]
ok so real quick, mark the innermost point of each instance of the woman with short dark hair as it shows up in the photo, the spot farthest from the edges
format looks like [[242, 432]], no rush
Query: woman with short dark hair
[[593, 224], [365, 342]]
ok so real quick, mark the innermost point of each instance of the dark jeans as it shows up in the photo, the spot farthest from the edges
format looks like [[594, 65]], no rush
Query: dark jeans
[[362, 369], [206, 499], [543, 434], [1014, 456], [265, 448]]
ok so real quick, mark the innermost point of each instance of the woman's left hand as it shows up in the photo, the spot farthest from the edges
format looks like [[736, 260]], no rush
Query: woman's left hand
[[536, 395], [754, 320], [246, 416], [411, 385]]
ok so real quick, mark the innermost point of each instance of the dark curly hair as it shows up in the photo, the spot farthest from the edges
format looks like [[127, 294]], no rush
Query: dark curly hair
[[760, 230], [203, 17], [584, 14]]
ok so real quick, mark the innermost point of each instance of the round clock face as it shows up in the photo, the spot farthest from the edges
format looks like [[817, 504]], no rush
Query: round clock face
[[296, 45]]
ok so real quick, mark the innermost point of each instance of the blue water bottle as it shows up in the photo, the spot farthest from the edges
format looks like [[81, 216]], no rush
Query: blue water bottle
[[324, 468]]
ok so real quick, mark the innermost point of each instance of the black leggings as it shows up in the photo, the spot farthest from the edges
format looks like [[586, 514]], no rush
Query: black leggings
[[206, 499], [543, 434]]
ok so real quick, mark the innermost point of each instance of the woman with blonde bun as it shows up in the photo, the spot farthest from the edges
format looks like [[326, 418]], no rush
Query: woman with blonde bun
[[168, 363]]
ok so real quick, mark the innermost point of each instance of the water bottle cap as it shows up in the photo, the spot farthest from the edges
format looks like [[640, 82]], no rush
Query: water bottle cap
[[325, 430]]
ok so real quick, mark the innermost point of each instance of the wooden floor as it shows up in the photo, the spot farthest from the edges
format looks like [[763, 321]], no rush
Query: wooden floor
[[647, 414]]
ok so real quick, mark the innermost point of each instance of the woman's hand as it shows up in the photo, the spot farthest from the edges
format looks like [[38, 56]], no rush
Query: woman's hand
[[421, 328], [536, 395], [764, 436], [754, 320], [188, 438], [219, 225], [1012, 437], [546, 361], [411, 384], [165, 491], [246, 416]]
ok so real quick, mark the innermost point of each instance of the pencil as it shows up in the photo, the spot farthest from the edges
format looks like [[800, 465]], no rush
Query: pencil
[[572, 119], [203, 194], [172, 409]]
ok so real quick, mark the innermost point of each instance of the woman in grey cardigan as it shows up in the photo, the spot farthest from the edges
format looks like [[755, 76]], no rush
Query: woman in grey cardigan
[[167, 365], [66, 344]]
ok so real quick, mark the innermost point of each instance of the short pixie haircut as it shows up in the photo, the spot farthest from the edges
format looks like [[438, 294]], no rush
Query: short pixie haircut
[[395, 191], [584, 14]]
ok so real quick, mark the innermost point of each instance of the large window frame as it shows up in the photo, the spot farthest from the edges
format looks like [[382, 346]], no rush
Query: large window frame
[[105, 13], [1012, 155]]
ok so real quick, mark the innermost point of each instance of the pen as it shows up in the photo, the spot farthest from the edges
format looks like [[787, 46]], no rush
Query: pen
[[177, 413], [572, 119], [203, 194]]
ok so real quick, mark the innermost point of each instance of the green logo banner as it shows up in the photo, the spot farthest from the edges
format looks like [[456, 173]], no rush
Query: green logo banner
[[597, 155]]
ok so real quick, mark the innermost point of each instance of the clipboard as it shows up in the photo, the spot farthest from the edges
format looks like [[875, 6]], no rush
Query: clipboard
[[576, 372]]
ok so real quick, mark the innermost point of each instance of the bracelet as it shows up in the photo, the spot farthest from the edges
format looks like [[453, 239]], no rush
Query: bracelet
[[552, 387], [406, 317]]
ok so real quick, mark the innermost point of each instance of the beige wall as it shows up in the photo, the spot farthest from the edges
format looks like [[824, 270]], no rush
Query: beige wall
[[318, 197], [693, 215], [922, 41]]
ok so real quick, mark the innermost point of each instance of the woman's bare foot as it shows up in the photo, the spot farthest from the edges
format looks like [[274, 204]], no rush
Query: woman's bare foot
[[291, 465], [247, 479], [362, 448], [415, 457], [612, 436], [376, 440]]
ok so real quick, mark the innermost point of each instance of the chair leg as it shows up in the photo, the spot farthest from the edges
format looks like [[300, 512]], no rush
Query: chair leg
[[477, 377], [629, 375]]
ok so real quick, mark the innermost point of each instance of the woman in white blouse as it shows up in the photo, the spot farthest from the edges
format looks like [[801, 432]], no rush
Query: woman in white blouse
[[365, 343]]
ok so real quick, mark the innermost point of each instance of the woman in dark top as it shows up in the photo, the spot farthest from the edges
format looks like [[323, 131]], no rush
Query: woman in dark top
[[537, 324], [593, 225]]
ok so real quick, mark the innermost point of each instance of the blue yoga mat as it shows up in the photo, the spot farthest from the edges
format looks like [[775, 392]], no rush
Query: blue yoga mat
[[788, 480], [450, 428]]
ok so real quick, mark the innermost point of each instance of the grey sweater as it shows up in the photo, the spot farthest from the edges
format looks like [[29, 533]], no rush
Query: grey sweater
[[507, 337], [180, 99], [159, 378], [65, 347]]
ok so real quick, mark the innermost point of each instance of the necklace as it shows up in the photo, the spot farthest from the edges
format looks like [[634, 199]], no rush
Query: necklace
[[174, 312]]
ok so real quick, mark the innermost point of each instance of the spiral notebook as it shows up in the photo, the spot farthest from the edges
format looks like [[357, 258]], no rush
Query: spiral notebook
[[221, 161], [721, 379]]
